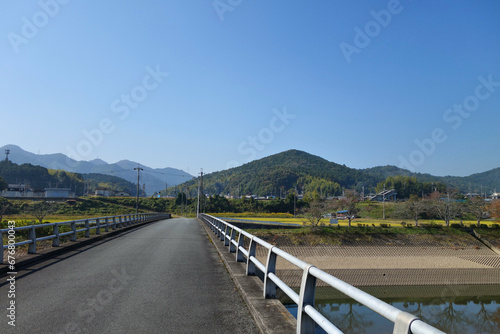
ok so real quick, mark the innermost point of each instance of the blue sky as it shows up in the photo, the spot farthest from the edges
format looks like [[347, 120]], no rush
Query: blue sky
[[213, 84]]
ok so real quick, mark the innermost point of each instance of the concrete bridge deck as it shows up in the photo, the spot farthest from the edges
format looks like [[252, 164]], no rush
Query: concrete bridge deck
[[164, 277]]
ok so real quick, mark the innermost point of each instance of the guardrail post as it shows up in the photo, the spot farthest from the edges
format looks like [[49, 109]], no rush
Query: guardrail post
[[269, 285], [227, 236], [32, 236], [232, 247], [98, 229], [240, 257], [87, 228], [222, 230], [120, 223], [106, 228], [218, 228], [55, 231], [305, 324], [73, 228], [251, 268], [113, 227]]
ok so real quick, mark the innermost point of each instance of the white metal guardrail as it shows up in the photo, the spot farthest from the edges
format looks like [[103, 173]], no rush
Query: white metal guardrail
[[75, 226], [307, 315]]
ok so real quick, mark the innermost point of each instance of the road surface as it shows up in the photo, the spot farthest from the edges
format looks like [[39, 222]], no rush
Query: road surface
[[164, 277]]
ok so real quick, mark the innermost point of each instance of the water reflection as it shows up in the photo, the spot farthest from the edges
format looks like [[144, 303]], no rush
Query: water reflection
[[479, 313]]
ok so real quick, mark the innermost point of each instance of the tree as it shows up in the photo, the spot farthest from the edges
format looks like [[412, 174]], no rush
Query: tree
[[443, 206], [348, 204], [405, 186], [316, 210], [41, 209], [3, 184], [180, 199], [413, 208], [218, 203], [4, 207], [478, 208], [494, 209]]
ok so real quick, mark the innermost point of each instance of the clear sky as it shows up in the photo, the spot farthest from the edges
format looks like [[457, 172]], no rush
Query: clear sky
[[213, 84]]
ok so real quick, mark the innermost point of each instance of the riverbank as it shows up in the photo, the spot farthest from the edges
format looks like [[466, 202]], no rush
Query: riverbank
[[450, 257]]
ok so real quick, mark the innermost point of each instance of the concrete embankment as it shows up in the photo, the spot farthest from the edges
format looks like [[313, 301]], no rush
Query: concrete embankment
[[403, 261]]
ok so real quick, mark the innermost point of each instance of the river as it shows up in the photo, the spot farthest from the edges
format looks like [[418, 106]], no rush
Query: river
[[452, 309]]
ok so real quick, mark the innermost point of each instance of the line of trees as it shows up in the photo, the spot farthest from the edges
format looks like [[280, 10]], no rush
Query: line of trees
[[447, 207]]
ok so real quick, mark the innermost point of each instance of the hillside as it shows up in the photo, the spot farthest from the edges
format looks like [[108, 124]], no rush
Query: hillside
[[487, 181], [277, 174], [280, 173], [40, 178], [155, 179]]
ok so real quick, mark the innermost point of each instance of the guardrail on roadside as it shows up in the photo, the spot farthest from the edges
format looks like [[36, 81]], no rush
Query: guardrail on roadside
[[88, 224], [307, 315]]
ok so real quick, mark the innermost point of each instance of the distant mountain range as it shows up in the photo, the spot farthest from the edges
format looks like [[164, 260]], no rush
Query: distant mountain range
[[276, 174], [272, 175], [155, 179]]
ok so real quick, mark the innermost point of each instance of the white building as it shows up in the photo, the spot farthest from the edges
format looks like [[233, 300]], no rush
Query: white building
[[103, 192], [58, 192]]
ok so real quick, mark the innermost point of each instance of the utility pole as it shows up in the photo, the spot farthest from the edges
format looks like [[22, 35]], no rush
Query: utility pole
[[383, 202], [137, 197], [200, 191], [202, 203], [295, 203], [198, 204]]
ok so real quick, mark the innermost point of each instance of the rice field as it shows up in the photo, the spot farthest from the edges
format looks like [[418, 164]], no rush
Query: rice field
[[361, 221]]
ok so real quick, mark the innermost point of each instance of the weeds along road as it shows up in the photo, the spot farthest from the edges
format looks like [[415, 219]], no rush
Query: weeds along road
[[165, 277]]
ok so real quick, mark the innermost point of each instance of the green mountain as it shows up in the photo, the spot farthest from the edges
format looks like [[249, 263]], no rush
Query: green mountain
[[280, 173], [480, 182], [277, 174]]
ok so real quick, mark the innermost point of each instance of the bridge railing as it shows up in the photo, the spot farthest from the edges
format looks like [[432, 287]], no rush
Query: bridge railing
[[307, 315], [73, 227]]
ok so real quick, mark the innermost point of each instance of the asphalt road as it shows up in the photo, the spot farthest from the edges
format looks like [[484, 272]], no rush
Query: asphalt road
[[161, 278]]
